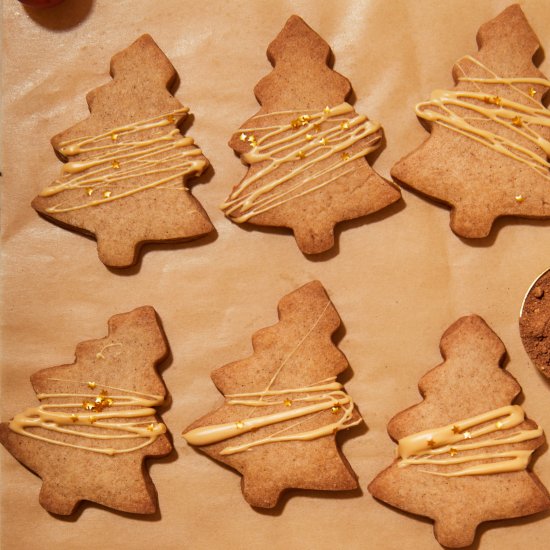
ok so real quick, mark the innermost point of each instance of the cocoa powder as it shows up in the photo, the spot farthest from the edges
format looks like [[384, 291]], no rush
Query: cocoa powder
[[534, 324]]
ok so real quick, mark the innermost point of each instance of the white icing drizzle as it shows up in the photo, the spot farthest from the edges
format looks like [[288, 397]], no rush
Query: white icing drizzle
[[522, 119], [115, 158], [425, 447], [316, 398], [97, 412], [291, 152]]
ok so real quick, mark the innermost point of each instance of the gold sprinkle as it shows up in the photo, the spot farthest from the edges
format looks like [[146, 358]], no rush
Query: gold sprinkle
[[288, 402], [456, 430], [345, 156], [499, 425], [335, 409], [493, 99], [98, 400], [89, 191], [295, 123], [108, 402], [74, 418], [115, 164], [92, 385], [88, 406], [309, 137], [431, 443], [326, 110], [323, 141], [239, 425], [243, 137], [517, 121], [151, 427], [171, 119], [106, 194], [301, 155], [519, 198], [344, 125], [532, 91], [93, 419], [467, 435], [453, 451], [114, 137]]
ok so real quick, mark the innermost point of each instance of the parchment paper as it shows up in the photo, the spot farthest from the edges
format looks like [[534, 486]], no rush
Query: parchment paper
[[398, 278]]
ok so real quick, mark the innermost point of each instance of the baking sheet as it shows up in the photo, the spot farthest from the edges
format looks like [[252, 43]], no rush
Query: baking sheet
[[398, 278]]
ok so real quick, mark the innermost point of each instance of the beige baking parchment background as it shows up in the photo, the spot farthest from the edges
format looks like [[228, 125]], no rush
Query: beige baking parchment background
[[398, 278]]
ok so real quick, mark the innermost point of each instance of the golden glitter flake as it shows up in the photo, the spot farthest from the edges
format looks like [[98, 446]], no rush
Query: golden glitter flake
[[243, 136], [493, 100], [89, 191], [517, 121], [115, 164], [323, 141], [456, 430], [106, 194], [326, 110], [467, 435], [99, 402], [301, 155], [114, 137], [453, 451], [532, 92], [92, 385], [74, 418], [288, 402], [520, 198], [309, 137], [499, 425], [335, 409], [344, 125], [251, 140], [345, 156], [239, 425], [302, 120], [151, 427], [431, 443]]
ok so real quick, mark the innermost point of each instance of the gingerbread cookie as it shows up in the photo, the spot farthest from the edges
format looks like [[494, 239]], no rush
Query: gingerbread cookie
[[283, 405], [463, 453], [128, 163], [96, 421], [534, 323], [487, 155], [305, 148]]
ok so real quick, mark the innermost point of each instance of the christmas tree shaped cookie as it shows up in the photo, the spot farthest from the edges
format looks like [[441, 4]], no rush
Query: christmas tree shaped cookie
[[127, 163], [305, 148], [463, 453], [487, 155], [283, 405], [96, 420]]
